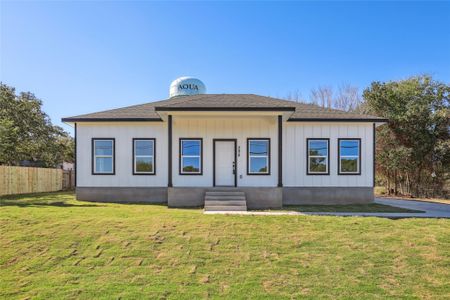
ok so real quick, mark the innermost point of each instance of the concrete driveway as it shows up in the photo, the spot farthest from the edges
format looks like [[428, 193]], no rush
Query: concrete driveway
[[432, 210]]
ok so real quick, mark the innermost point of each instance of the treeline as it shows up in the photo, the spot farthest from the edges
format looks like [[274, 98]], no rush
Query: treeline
[[413, 149], [27, 136], [345, 97]]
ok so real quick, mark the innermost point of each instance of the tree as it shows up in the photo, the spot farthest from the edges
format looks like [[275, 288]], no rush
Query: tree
[[348, 98], [26, 132], [414, 149], [294, 96], [322, 96]]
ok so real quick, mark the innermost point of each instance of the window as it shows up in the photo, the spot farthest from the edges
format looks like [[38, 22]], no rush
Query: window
[[191, 156], [258, 156], [318, 156], [143, 156], [349, 156], [103, 156]]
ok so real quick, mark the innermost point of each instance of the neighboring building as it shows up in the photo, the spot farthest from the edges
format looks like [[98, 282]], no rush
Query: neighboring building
[[66, 166], [268, 151]]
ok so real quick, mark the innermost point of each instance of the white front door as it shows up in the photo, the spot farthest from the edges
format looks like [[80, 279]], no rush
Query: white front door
[[224, 163]]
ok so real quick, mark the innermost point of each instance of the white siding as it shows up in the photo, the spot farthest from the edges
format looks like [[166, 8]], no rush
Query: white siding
[[230, 127], [124, 134], [209, 128], [294, 151]]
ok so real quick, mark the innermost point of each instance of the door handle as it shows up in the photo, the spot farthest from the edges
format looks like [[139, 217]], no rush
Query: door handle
[[234, 167]]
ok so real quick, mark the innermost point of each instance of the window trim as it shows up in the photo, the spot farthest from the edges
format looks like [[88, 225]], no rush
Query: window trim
[[339, 156], [180, 156], [269, 169], [308, 156], [134, 156], [93, 156]]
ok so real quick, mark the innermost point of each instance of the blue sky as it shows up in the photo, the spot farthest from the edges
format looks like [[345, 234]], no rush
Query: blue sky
[[81, 57]]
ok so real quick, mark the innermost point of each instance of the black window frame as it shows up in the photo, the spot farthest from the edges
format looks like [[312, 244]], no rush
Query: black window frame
[[307, 156], [339, 156], [269, 160], [134, 156], [93, 156], [180, 167]]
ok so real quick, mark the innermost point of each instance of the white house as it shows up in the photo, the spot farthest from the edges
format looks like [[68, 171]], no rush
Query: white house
[[252, 151]]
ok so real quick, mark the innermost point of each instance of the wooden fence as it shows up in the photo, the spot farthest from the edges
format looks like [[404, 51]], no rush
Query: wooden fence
[[23, 180], [68, 180]]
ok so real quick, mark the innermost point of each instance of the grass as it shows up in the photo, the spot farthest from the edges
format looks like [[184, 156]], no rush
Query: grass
[[370, 208], [52, 246]]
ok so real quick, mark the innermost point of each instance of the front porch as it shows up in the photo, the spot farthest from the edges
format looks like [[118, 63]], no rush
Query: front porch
[[256, 197]]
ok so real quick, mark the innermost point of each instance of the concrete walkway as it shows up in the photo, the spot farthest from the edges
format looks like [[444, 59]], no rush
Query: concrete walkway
[[430, 210], [256, 213]]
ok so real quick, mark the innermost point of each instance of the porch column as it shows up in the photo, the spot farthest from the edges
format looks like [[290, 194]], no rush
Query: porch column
[[280, 151], [169, 152], [75, 155], [374, 152]]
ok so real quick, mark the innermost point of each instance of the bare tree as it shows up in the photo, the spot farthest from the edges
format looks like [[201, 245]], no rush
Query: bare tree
[[294, 96], [348, 97], [288, 96], [322, 96]]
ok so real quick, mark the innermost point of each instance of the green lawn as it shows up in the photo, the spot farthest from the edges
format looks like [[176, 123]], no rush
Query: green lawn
[[52, 246]]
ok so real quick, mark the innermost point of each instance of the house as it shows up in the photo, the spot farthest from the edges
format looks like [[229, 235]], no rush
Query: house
[[260, 151]]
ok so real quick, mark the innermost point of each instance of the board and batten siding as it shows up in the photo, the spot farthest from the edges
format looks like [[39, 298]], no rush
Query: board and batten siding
[[209, 128], [123, 134], [294, 154], [239, 128]]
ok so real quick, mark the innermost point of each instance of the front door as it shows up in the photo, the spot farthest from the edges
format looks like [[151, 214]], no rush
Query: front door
[[224, 162]]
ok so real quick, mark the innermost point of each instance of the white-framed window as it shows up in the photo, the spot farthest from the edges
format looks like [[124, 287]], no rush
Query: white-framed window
[[349, 156], [258, 156], [318, 156], [143, 156], [191, 156], [103, 156]]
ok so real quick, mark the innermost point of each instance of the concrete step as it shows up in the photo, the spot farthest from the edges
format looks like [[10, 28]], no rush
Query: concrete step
[[225, 203], [225, 198], [226, 208], [225, 193]]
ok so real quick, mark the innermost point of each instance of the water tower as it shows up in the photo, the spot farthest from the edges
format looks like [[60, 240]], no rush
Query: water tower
[[186, 86]]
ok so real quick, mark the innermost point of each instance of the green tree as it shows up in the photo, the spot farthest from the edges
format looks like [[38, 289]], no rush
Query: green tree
[[26, 132], [413, 149]]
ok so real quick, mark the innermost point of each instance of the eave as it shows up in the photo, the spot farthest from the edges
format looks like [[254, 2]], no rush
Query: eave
[[71, 120], [371, 120], [224, 108]]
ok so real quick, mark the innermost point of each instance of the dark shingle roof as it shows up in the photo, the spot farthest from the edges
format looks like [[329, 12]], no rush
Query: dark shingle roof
[[227, 102], [222, 102]]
